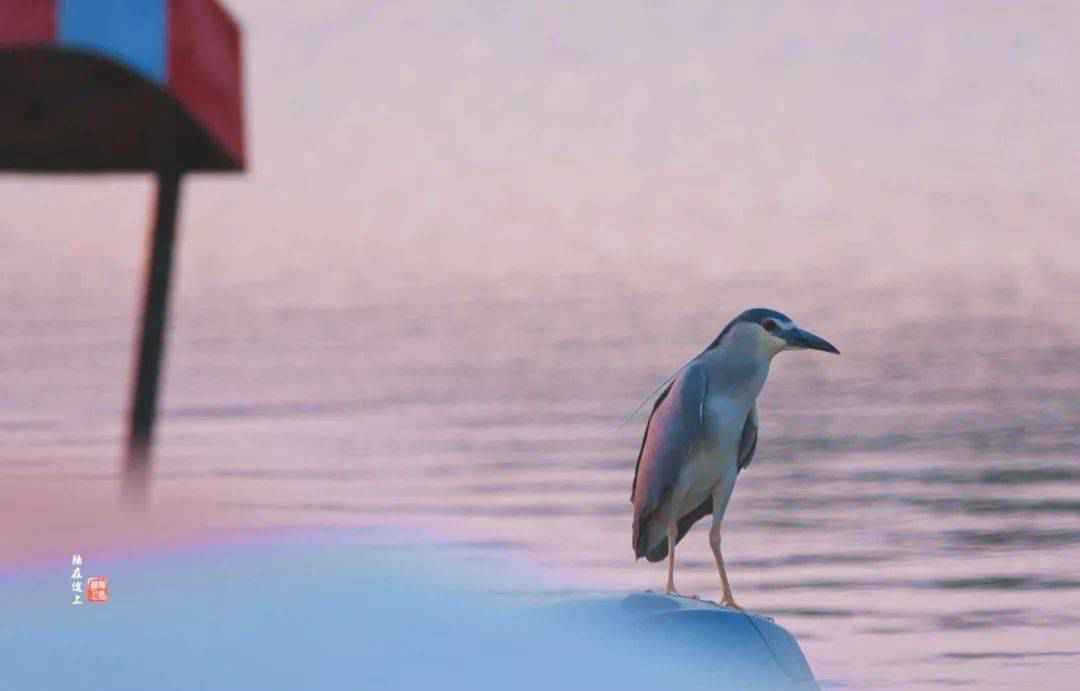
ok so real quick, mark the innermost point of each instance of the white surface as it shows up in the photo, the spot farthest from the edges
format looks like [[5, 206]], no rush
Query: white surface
[[328, 611]]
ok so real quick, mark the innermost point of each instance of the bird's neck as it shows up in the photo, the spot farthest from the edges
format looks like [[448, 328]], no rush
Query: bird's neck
[[741, 364]]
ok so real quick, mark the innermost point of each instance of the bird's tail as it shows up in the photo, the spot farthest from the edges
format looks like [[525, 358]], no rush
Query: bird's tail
[[650, 537], [650, 532], [641, 530]]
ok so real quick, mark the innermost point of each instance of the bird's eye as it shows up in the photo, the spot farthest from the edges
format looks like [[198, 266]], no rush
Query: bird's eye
[[769, 325]]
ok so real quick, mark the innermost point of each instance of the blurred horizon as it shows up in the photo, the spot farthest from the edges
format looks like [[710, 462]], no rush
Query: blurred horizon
[[402, 144]]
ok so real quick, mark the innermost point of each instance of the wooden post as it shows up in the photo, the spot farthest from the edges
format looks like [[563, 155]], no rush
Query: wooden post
[[152, 336]]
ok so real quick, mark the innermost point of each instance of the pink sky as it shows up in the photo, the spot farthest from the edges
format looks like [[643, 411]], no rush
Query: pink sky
[[418, 140]]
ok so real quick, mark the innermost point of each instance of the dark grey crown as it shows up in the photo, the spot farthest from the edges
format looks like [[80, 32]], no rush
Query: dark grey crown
[[755, 315]]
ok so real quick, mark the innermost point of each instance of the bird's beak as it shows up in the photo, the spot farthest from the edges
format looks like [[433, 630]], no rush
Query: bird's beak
[[798, 338]]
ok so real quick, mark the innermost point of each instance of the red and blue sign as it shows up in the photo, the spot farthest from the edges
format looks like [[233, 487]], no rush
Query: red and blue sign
[[188, 49], [135, 32]]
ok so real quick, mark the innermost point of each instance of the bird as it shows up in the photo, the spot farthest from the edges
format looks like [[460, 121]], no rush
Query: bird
[[702, 432]]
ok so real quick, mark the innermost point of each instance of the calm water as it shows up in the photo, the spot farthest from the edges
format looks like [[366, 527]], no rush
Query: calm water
[[913, 514]]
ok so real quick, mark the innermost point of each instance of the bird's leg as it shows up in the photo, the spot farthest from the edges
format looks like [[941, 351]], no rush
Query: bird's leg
[[671, 536], [714, 542]]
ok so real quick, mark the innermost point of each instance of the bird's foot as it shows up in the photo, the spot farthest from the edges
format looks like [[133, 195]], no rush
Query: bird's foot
[[729, 601], [676, 593]]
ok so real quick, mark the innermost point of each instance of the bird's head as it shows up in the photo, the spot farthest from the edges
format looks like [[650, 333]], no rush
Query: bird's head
[[772, 332]]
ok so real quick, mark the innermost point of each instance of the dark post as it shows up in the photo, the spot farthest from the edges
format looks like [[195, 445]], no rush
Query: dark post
[[152, 336]]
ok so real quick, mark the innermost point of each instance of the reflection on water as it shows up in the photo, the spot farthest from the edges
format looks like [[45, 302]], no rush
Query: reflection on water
[[913, 515]]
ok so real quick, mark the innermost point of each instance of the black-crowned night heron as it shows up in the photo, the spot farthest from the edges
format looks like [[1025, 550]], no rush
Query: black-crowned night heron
[[702, 432]]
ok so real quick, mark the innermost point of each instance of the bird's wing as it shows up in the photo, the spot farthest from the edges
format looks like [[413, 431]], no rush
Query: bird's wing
[[747, 445], [748, 440], [675, 427]]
